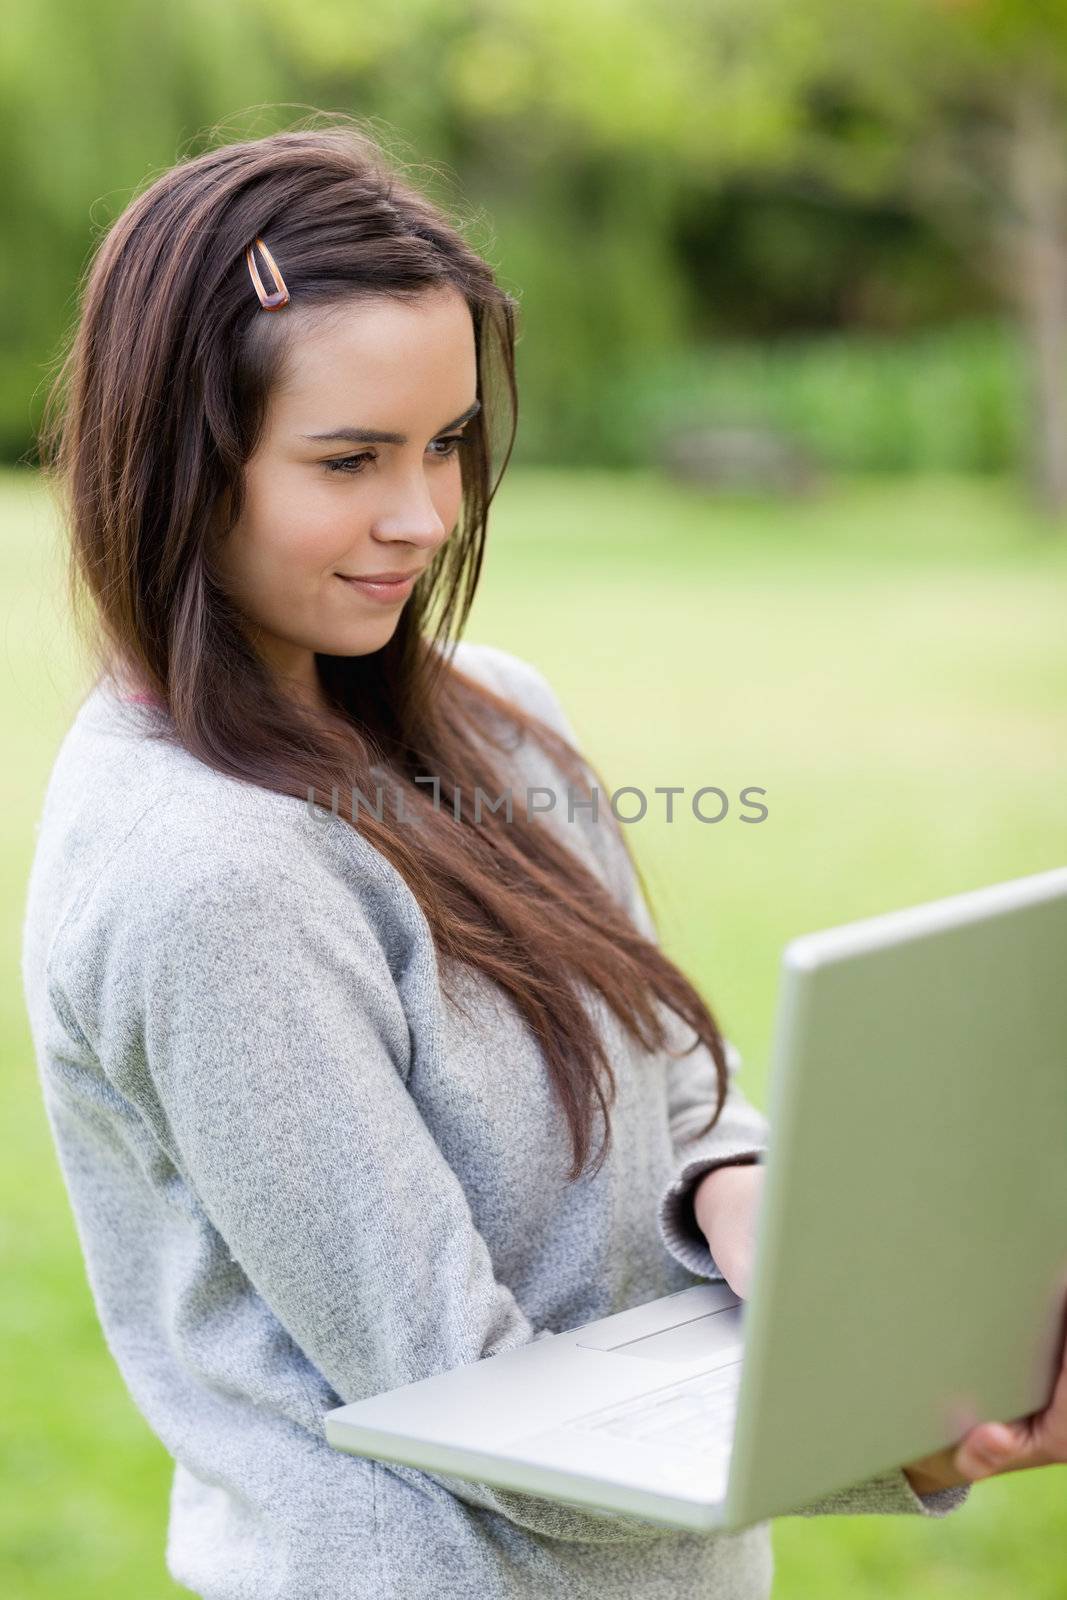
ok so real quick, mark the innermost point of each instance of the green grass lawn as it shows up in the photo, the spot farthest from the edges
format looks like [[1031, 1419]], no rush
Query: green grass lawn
[[889, 664]]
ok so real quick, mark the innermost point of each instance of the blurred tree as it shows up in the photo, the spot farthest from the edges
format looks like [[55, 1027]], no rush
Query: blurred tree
[[958, 109], [599, 141], [94, 101]]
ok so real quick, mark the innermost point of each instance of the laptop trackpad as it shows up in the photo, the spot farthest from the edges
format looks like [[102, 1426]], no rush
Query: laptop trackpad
[[716, 1333]]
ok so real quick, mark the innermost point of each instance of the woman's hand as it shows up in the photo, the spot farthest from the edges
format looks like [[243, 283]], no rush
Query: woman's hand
[[725, 1203], [991, 1448]]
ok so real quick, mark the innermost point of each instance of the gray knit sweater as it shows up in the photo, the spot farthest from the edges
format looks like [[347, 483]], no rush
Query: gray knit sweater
[[300, 1176]]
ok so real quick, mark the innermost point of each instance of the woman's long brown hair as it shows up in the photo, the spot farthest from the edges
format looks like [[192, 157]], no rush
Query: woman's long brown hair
[[158, 403]]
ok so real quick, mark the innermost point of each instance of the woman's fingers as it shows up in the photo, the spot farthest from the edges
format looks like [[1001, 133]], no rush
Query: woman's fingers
[[994, 1447]]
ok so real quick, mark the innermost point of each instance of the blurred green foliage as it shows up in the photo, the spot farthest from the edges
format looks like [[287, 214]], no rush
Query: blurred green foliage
[[657, 187], [942, 399]]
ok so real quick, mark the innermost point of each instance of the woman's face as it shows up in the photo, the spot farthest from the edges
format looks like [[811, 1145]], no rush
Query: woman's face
[[325, 503]]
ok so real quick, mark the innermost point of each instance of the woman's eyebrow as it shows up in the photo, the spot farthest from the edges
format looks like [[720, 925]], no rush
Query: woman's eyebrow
[[370, 436]]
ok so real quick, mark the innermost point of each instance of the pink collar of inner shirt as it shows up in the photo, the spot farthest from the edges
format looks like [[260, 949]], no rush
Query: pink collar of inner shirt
[[144, 699]]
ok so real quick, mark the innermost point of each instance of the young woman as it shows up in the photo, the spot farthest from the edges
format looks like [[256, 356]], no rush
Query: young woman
[[327, 1031]]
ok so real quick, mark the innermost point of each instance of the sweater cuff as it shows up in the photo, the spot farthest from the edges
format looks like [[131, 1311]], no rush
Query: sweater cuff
[[889, 1494], [678, 1226]]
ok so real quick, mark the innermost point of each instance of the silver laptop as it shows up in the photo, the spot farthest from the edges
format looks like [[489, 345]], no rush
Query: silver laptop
[[911, 1251]]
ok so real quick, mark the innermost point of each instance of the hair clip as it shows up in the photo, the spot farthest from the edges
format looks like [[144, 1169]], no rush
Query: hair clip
[[277, 297]]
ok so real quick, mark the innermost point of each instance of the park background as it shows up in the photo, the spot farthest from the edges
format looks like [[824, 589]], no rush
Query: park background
[[787, 508]]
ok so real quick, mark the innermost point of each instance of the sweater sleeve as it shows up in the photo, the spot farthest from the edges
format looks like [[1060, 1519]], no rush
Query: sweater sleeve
[[740, 1134], [269, 1038], [888, 1494]]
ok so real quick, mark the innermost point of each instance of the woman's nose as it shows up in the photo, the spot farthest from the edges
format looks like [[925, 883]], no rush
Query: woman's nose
[[414, 519]]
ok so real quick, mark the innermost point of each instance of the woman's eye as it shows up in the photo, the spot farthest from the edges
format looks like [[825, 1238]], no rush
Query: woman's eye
[[347, 463], [351, 464], [454, 440]]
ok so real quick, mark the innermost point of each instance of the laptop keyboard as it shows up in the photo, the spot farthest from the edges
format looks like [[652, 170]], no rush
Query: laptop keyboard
[[693, 1415]]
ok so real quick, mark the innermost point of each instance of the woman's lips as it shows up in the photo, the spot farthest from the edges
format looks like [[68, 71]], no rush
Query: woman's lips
[[386, 591]]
